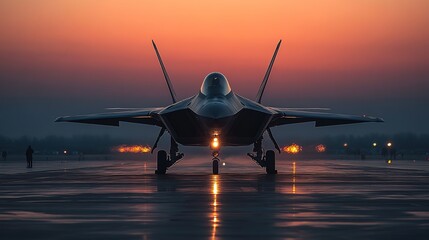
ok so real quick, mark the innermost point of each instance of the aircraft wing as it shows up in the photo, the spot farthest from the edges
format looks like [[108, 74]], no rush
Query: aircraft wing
[[290, 116], [142, 115]]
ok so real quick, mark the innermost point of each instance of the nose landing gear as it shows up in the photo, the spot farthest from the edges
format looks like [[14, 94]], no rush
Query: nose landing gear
[[215, 166], [215, 162], [215, 146]]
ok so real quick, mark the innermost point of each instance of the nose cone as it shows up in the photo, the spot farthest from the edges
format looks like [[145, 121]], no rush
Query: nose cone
[[215, 110]]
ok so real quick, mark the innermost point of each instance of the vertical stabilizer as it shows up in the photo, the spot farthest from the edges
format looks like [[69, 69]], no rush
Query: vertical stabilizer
[[267, 75], [167, 78]]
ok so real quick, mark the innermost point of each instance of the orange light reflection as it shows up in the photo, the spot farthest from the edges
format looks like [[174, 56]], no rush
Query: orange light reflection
[[215, 191], [293, 177]]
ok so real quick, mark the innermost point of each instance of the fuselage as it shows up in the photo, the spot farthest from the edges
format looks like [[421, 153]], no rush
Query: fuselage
[[216, 111]]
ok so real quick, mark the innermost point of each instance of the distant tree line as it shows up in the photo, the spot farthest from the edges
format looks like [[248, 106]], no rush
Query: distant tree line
[[57, 144], [408, 143], [404, 142]]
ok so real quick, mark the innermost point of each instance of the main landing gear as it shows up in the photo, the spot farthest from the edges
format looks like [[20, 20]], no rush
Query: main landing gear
[[164, 162], [268, 161]]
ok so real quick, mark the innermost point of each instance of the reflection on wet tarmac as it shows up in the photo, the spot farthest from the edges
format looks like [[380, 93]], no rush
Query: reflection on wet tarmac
[[215, 216], [125, 200], [294, 177]]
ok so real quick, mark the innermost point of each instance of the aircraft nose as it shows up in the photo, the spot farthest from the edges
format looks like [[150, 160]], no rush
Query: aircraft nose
[[215, 110]]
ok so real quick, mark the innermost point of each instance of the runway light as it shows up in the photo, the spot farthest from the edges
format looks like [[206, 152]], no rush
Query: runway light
[[132, 149], [320, 148], [389, 161], [223, 164], [65, 152], [374, 144], [292, 149], [389, 144], [345, 145]]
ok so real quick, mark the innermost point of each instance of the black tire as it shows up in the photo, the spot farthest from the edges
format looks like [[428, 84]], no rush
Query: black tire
[[161, 162], [270, 161], [215, 166]]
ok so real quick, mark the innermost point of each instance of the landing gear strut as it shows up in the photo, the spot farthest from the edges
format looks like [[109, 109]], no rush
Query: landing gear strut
[[215, 166], [268, 161], [164, 162]]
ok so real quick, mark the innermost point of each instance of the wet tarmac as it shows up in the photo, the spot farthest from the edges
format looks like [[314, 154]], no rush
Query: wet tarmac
[[325, 199]]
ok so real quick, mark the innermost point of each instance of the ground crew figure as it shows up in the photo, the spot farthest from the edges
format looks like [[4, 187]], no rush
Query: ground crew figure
[[29, 154]]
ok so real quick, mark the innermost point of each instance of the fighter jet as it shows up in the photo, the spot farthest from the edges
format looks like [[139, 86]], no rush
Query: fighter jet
[[217, 117]]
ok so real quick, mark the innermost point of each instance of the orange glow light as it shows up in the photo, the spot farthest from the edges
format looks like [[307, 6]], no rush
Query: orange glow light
[[133, 149], [320, 148], [292, 149], [215, 191], [215, 143]]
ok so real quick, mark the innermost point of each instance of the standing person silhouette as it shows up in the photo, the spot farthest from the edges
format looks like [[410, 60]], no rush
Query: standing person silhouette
[[29, 154], [4, 155]]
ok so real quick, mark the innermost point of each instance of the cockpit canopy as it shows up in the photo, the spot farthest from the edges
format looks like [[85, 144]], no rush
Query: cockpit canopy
[[215, 84]]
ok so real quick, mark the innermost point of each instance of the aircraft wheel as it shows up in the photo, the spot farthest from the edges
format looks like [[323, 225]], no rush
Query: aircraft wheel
[[270, 158], [215, 166], [161, 163]]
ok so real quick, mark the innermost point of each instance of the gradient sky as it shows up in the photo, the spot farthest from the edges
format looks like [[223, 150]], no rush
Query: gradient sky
[[74, 57]]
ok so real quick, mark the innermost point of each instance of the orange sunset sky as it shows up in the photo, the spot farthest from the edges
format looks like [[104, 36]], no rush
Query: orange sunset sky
[[70, 57]]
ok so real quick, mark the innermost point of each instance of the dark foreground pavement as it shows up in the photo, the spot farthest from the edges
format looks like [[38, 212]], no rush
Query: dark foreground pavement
[[125, 200]]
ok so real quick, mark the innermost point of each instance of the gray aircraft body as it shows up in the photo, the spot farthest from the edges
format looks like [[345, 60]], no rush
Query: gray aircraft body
[[216, 117]]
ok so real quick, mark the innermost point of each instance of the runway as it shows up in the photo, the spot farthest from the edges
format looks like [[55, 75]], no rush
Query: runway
[[314, 199]]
